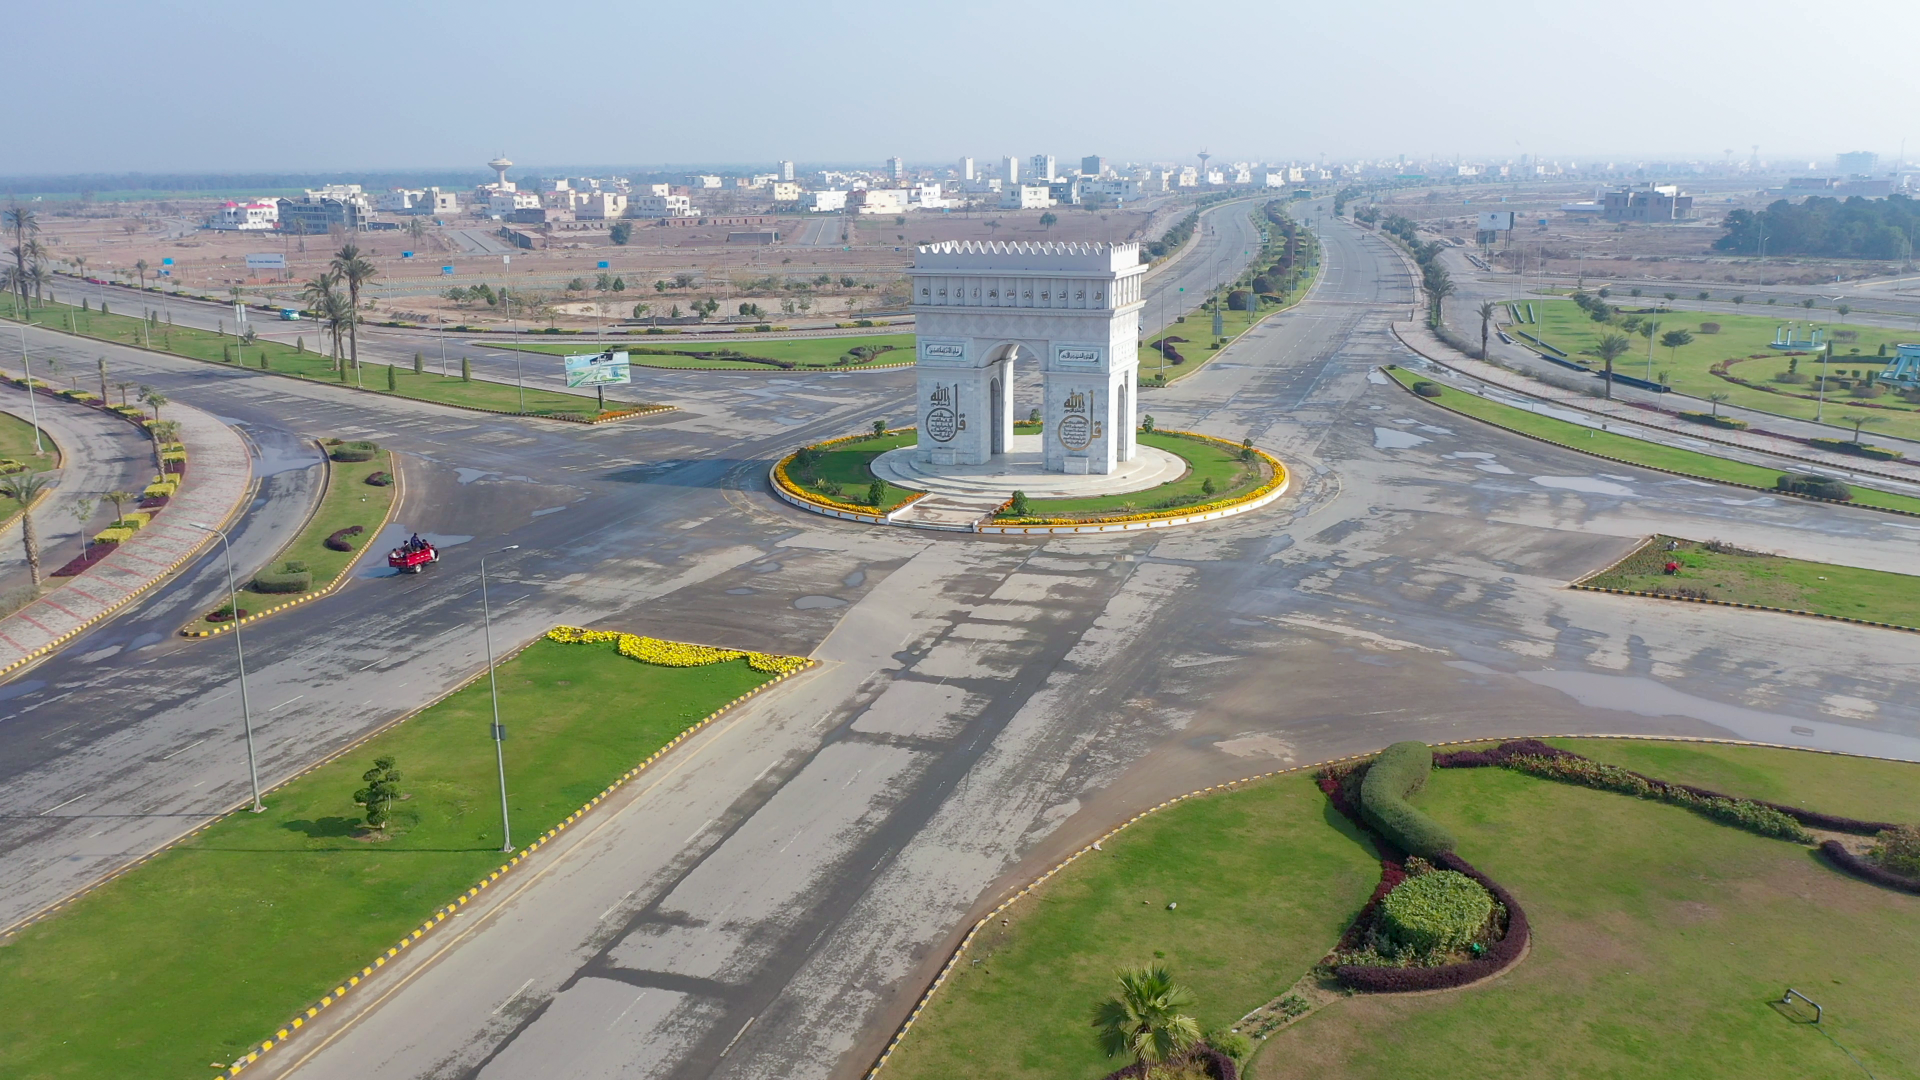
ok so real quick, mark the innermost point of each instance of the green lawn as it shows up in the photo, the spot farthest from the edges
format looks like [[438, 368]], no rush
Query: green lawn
[[197, 955], [1265, 882], [1197, 326], [806, 352], [16, 443], [1660, 937], [1741, 337], [309, 364], [1625, 448], [848, 465], [1770, 581], [1206, 460], [350, 500]]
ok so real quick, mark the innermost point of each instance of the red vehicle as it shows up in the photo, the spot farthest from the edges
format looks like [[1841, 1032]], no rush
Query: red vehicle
[[411, 557]]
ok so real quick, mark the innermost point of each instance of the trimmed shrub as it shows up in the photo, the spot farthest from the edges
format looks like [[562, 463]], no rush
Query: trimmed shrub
[[1898, 850], [1755, 817], [1499, 955], [1709, 327], [342, 539], [1426, 389], [1711, 420], [380, 479], [1436, 912], [1819, 487], [1848, 446], [294, 566], [1399, 771], [1867, 869], [359, 450], [283, 580], [1239, 300]]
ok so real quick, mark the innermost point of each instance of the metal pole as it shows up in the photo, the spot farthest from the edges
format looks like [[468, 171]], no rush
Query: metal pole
[[493, 688], [246, 709], [33, 408]]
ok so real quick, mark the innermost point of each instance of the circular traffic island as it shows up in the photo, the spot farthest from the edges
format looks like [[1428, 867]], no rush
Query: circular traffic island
[[1175, 478]]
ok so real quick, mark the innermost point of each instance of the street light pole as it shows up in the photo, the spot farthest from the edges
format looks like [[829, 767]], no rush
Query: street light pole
[[33, 408], [493, 687], [246, 710]]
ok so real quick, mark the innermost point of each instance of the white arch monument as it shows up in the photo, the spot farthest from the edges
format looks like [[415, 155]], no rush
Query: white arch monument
[[1072, 307]]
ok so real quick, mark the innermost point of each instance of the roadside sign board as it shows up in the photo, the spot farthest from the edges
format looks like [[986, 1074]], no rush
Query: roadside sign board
[[598, 369], [166, 262], [406, 254], [447, 270], [272, 260], [604, 264]]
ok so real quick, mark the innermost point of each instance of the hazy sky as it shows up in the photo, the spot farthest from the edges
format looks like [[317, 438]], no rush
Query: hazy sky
[[127, 85]]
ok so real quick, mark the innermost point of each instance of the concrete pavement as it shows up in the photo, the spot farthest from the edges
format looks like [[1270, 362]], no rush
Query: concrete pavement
[[99, 452]]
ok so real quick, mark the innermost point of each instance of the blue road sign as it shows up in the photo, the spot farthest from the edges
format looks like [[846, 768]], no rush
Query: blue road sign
[[406, 254], [447, 270], [603, 265], [166, 262]]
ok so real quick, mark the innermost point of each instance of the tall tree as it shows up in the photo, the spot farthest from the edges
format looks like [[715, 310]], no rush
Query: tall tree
[[1610, 348], [1860, 420], [154, 399], [355, 271], [23, 487], [24, 223], [141, 266], [1486, 323], [383, 786], [1143, 1019]]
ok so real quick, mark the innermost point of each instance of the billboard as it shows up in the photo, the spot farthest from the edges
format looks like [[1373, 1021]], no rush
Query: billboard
[[1496, 221], [598, 369], [273, 260]]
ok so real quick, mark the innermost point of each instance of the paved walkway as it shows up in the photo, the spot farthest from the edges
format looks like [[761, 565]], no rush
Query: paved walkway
[[1418, 338], [219, 475], [99, 452]]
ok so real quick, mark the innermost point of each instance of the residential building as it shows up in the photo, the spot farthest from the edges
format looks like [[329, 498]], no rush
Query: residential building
[[656, 189], [539, 215], [661, 206], [1188, 176], [879, 201], [602, 206], [966, 170], [443, 203], [823, 202], [1010, 171], [896, 168], [1026, 197], [1041, 168], [1859, 163], [401, 201], [1093, 165], [502, 203], [318, 211], [786, 191], [1065, 191], [1110, 187], [786, 172], [925, 196], [1651, 203], [704, 181], [259, 215]]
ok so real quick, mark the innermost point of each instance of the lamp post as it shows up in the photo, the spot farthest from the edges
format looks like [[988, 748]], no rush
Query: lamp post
[[493, 687], [246, 710], [33, 407]]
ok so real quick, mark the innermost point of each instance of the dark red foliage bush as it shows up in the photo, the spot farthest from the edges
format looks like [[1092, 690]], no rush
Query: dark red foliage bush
[[153, 502], [1212, 1062], [1499, 755], [1866, 869], [339, 542], [99, 550]]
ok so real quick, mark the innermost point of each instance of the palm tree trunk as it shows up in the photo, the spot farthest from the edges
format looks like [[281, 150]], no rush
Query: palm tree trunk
[[353, 327], [1609, 378], [32, 544]]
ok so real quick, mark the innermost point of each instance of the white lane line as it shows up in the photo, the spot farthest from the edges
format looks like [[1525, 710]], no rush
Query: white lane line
[[69, 802], [636, 1001], [695, 834], [616, 905], [286, 703], [510, 603], [510, 997], [183, 749], [49, 701], [376, 663], [737, 1034]]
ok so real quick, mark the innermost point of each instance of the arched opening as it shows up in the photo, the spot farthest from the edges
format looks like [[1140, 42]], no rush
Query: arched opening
[[1123, 419]]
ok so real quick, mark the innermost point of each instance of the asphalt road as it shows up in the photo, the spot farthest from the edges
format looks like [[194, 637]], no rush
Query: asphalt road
[[772, 900]]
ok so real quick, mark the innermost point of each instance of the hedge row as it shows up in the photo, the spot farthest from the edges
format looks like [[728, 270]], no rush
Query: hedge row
[[341, 540], [360, 450], [1399, 771], [1499, 956], [1508, 752], [1212, 1064], [1866, 869]]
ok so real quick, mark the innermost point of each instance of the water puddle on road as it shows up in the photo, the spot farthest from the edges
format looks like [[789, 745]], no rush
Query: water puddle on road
[[1385, 438], [1588, 484]]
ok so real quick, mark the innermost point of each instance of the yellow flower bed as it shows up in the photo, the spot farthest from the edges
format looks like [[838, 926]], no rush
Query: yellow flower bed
[[113, 536], [794, 488], [649, 650]]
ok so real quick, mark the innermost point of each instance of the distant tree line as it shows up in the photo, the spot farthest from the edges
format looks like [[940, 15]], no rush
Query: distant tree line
[[1854, 228]]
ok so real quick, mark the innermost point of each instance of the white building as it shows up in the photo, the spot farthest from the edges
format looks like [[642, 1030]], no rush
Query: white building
[[786, 171], [444, 202], [602, 206], [1112, 187], [1188, 176], [925, 196], [260, 215], [879, 201], [1010, 171], [897, 168], [786, 191], [661, 190], [502, 203], [823, 202], [401, 201], [966, 169], [1026, 197], [1042, 168], [660, 206]]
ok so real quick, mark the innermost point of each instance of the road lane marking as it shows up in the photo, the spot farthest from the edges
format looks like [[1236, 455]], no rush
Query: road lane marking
[[636, 1001], [510, 997], [286, 703], [616, 905], [69, 802], [736, 1035], [696, 833], [183, 749]]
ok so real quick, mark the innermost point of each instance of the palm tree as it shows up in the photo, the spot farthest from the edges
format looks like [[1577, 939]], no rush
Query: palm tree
[[122, 387], [141, 266], [1860, 420], [1610, 349], [1486, 321], [1143, 1019], [23, 487], [1716, 399], [41, 273], [154, 399], [24, 223], [355, 270], [322, 295]]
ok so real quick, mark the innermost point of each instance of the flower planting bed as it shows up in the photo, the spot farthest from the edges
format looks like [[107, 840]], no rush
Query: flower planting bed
[[1671, 567]]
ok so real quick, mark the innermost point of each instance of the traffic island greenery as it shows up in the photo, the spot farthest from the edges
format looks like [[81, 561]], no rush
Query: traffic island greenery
[[839, 472], [1658, 933], [1713, 570], [1625, 448], [196, 955], [352, 510], [291, 360], [1218, 474], [806, 354], [16, 455]]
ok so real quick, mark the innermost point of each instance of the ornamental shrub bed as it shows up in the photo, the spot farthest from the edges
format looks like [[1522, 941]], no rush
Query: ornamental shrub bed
[[1500, 954], [1399, 771], [1857, 449], [1201, 1061], [1867, 869], [342, 539], [1713, 420], [81, 563], [355, 451], [1815, 486], [1436, 912], [675, 653], [380, 479], [291, 577]]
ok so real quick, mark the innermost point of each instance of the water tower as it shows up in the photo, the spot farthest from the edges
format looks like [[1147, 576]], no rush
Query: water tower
[[500, 165]]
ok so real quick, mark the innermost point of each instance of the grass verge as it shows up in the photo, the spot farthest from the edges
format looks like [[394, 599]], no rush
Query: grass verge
[[349, 501], [1633, 451], [846, 468], [1207, 461], [808, 353], [16, 443], [292, 360], [1660, 936], [192, 957], [1723, 572]]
